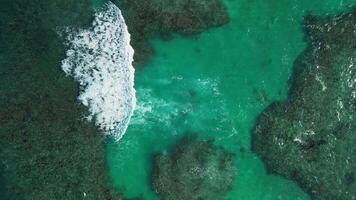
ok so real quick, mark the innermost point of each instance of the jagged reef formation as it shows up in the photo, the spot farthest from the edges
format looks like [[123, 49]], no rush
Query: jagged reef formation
[[311, 137], [146, 19], [193, 170]]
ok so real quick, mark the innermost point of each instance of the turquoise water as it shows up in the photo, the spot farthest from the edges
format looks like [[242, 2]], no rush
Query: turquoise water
[[215, 85]]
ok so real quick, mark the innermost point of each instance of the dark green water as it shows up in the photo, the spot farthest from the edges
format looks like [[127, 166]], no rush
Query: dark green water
[[215, 85]]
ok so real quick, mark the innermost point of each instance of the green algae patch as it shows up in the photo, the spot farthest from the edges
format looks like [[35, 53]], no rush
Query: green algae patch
[[193, 170], [310, 138]]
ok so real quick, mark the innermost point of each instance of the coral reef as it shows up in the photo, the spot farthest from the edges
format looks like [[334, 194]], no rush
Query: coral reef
[[146, 19], [311, 137], [193, 170], [47, 151]]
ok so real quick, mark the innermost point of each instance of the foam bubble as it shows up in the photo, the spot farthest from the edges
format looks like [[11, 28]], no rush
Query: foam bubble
[[100, 59]]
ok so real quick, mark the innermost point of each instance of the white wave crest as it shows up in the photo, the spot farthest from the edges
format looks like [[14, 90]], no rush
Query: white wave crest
[[100, 59]]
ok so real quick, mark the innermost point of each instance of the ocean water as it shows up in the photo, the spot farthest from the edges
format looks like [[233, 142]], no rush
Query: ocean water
[[215, 85]]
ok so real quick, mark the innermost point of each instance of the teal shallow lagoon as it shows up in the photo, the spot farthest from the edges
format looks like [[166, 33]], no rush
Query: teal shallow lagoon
[[215, 85]]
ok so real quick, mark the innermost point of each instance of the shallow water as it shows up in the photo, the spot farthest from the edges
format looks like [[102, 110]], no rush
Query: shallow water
[[215, 85]]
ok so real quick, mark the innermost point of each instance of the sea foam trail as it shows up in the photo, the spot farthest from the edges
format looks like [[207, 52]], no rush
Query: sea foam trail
[[100, 59]]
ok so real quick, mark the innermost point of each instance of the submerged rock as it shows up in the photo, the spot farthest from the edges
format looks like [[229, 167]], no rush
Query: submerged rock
[[146, 19], [311, 138], [193, 170]]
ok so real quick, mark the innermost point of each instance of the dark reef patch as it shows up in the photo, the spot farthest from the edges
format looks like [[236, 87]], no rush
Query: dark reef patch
[[146, 19], [311, 137], [47, 151], [193, 170]]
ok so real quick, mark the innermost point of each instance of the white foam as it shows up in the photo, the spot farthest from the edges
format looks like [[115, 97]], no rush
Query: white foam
[[100, 59]]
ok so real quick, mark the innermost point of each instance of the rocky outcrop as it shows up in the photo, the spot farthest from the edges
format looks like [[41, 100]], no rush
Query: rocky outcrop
[[193, 170], [311, 137]]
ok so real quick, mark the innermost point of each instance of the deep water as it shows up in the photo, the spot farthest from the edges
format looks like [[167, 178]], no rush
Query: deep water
[[215, 85]]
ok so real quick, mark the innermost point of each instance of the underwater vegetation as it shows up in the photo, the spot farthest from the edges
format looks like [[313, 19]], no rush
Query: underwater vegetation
[[310, 138], [147, 19], [193, 170], [47, 150]]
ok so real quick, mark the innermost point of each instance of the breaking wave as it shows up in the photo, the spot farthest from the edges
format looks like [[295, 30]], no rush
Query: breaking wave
[[100, 59]]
